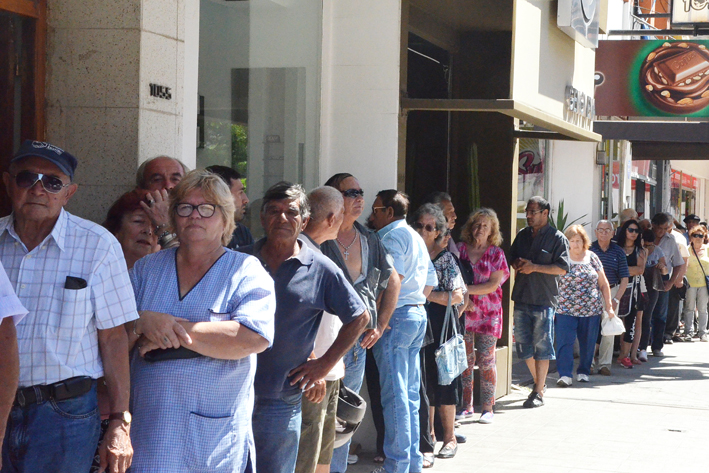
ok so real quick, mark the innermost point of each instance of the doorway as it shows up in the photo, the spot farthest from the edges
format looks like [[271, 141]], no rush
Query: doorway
[[22, 64]]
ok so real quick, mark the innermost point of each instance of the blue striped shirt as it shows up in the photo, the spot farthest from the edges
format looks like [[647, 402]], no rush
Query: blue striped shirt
[[615, 264]]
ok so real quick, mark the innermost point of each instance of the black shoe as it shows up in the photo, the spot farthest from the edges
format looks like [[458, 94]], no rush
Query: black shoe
[[460, 438], [534, 400], [668, 341]]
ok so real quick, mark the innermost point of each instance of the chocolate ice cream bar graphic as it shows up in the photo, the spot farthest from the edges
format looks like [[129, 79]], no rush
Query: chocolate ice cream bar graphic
[[675, 77]]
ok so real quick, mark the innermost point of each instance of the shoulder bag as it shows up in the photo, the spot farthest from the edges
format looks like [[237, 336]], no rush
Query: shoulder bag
[[451, 359]]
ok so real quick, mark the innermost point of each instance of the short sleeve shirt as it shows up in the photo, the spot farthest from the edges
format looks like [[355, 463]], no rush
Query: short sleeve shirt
[[73, 284], [190, 410], [550, 246], [615, 264], [10, 305], [484, 314], [306, 285], [411, 260], [673, 256], [579, 293]]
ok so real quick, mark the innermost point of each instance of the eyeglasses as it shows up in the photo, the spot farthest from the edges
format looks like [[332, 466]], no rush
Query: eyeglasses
[[27, 179], [604, 230], [374, 209], [204, 210], [633, 230], [697, 235], [533, 212], [353, 193], [420, 226]]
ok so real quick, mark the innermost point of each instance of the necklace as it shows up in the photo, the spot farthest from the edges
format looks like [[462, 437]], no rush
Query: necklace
[[346, 253]]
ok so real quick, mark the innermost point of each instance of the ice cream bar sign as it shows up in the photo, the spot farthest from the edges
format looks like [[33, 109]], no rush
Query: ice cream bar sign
[[690, 12]]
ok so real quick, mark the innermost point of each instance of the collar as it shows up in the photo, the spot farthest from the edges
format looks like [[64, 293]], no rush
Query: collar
[[309, 241], [58, 233], [395, 224], [305, 256], [595, 244]]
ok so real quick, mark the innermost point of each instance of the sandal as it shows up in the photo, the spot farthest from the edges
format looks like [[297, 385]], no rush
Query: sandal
[[428, 460]]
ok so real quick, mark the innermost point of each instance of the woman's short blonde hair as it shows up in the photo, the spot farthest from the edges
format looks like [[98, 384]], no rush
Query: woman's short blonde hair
[[574, 230], [466, 233], [214, 190]]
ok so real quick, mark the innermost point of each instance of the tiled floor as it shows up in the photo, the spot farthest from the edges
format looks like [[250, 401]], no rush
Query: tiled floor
[[653, 418]]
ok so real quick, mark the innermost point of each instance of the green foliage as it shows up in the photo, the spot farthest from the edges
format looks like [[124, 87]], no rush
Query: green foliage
[[562, 218]]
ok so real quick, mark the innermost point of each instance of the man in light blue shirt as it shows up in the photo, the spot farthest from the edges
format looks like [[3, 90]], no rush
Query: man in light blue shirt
[[397, 352]]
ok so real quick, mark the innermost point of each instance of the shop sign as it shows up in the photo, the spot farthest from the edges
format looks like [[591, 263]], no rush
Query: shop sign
[[580, 108], [580, 20], [687, 181], [652, 78], [690, 12]]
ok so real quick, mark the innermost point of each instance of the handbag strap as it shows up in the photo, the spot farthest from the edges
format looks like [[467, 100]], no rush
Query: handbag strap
[[448, 323], [701, 266]]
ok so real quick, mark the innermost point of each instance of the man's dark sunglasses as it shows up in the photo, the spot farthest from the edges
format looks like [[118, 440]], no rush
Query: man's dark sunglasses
[[353, 193], [420, 226], [633, 230], [27, 179]]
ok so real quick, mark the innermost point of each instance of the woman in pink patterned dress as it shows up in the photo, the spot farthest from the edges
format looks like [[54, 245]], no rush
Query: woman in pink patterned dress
[[480, 247]]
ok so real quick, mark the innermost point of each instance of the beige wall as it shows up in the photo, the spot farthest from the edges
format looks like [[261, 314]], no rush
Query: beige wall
[[545, 59], [101, 57]]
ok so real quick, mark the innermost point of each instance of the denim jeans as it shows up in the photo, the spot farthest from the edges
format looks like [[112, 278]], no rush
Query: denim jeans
[[659, 320], [276, 425], [696, 297], [56, 436], [355, 360], [567, 329], [397, 355], [534, 331]]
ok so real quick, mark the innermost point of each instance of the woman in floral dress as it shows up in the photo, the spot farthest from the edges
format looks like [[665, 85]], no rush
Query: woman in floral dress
[[583, 293], [480, 247]]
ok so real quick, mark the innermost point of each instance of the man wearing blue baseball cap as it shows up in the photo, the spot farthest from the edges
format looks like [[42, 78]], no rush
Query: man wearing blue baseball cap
[[70, 274]]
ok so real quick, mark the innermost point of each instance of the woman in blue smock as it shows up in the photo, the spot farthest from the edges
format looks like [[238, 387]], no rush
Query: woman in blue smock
[[192, 407]]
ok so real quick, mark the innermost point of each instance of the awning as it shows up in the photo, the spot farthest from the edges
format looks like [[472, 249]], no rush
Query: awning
[[558, 129]]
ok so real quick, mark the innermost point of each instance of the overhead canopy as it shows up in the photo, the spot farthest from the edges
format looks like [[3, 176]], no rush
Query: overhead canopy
[[659, 140]]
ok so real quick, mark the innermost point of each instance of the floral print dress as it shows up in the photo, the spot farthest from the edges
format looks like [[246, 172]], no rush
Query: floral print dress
[[579, 293]]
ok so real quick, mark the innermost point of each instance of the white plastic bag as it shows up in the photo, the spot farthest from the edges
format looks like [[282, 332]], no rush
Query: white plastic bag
[[612, 326]]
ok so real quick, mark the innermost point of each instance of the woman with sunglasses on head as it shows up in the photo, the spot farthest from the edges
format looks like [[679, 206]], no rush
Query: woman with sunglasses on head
[[205, 312], [431, 224], [629, 239], [697, 295], [480, 246]]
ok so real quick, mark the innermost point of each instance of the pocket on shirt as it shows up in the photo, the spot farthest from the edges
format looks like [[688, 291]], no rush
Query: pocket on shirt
[[210, 443], [76, 312], [544, 257]]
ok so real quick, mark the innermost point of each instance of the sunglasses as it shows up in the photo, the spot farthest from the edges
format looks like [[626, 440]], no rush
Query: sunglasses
[[353, 193], [204, 210], [633, 230], [51, 184], [420, 226], [697, 235]]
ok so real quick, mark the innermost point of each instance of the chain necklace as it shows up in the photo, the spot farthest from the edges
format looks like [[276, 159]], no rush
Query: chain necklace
[[346, 253]]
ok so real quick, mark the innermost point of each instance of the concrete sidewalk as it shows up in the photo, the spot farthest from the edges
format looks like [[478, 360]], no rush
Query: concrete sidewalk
[[653, 418]]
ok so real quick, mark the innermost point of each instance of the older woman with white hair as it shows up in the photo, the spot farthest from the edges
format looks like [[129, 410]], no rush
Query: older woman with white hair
[[205, 311]]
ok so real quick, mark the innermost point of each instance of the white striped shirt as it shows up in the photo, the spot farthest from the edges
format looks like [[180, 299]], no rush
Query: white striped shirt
[[10, 305], [58, 339]]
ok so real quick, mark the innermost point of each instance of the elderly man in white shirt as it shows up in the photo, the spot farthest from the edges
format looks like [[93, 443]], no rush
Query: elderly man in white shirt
[[71, 276], [11, 312]]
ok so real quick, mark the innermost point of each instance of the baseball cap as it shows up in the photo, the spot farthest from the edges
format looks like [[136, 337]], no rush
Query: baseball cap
[[691, 217], [63, 160]]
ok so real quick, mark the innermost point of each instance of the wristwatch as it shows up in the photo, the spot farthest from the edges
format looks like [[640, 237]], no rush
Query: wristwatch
[[616, 300], [124, 416]]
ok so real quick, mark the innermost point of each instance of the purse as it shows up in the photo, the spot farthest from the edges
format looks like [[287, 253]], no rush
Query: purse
[[706, 279], [625, 304], [451, 359]]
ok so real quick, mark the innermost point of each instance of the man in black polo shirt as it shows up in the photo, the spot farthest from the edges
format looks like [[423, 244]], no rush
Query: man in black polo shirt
[[232, 178], [539, 255], [615, 265]]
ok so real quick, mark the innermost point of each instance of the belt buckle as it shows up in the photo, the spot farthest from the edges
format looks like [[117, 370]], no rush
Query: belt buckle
[[20, 398]]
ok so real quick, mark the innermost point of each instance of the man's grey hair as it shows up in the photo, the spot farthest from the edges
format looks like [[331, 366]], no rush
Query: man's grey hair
[[603, 221], [288, 191], [662, 218], [437, 198], [140, 178], [325, 201]]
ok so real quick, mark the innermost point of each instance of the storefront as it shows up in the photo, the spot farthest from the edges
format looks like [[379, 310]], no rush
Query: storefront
[[683, 194]]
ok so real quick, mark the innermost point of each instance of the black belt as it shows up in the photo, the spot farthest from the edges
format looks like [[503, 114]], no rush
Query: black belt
[[59, 391]]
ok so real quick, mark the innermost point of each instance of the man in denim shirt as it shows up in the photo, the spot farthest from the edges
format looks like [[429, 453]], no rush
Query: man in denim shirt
[[397, 352], [539, 255]]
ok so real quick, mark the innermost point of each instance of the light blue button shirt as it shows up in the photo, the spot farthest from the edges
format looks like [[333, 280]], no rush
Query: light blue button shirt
[[411, 260]]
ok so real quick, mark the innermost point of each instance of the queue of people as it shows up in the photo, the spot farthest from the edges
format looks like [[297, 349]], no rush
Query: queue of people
[[167, 339]]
